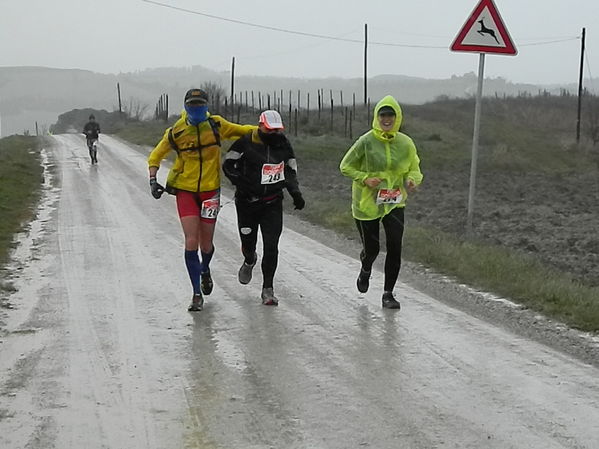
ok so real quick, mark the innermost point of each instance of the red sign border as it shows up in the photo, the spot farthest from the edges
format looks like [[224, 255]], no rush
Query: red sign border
[[509, 49]]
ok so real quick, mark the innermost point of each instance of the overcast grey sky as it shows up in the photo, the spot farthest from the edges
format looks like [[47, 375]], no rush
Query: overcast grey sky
[[112, 36]]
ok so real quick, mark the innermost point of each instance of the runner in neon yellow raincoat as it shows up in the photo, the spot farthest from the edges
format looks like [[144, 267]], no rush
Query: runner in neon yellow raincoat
[[384, 166]]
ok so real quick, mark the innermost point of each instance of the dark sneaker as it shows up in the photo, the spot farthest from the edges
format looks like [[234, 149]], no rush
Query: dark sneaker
[[245, 272], [197, 303], [206, 283], [389, 302], [363, 281], [269, 298]]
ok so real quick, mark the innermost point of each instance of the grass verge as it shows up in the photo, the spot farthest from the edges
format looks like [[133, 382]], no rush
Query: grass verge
[[20, 186]]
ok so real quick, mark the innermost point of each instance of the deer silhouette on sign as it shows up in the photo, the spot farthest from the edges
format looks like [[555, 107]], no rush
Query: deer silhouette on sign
[[485, 30]]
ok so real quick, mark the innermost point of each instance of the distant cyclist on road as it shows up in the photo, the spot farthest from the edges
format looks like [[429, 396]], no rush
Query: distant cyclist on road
[[92, 133], [195, 180], [260, 165], [384, 167]]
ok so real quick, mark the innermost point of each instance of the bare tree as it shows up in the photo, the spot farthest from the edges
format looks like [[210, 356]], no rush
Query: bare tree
[[216, 93], [135, 109]]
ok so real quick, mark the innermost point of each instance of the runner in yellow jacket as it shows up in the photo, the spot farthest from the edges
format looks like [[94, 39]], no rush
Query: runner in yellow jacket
[[195, 180], [384, 166]]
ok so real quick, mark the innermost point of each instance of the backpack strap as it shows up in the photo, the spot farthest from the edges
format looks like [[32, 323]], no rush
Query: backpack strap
[[171, 140], [214, 126]]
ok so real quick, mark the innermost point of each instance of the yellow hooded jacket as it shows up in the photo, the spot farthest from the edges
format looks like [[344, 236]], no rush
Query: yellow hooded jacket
[[197, 166], [390, 156]]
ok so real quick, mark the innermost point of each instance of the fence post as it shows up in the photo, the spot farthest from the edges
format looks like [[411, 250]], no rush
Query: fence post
[[166, 108], [351, 118], [296, 122], [345, 127], [118, 90], [331, 112], [308, 107], [319, 104]]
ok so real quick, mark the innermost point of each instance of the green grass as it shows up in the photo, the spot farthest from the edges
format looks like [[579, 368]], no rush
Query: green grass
[[506, 273], [144, 133], [20, 185]]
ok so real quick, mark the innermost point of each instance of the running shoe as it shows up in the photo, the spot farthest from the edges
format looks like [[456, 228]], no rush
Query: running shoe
[[197, 303], [268, 297], [245, 272], [206, 283], [363, 281], [389, 302]]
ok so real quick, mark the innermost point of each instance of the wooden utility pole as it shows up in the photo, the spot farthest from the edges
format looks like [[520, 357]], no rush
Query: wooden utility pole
[[232, 81], [118, 90], [365, 62], [580, 85], [166, 107]]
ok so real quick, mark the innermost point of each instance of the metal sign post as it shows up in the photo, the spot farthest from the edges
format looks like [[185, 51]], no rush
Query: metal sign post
[[477, 113], [483, 32]]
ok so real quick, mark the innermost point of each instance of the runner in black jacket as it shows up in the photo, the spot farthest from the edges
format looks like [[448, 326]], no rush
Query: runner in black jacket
[[92, 133], [260, 165]]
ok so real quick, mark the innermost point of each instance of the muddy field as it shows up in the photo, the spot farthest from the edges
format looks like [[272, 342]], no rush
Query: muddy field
[[555, 218]]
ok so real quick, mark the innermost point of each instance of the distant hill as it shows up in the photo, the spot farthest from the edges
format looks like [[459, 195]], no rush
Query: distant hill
[[41, 94]]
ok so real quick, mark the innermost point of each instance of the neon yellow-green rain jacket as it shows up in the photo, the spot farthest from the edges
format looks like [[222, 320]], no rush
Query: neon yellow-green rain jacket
[[390, 156]]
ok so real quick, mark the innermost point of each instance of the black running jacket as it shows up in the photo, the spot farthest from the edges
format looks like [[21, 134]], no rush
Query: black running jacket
[[261, 171]]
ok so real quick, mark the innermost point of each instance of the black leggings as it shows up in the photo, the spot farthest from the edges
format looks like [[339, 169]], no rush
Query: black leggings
[[269, 217], [393, 224]]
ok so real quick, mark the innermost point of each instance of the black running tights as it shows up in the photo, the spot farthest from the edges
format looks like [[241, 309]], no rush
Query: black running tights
[[393, 223], [269, 217]]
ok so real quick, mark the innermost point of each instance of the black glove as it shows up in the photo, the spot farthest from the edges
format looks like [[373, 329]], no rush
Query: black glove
[[298, 200], [157, 189]]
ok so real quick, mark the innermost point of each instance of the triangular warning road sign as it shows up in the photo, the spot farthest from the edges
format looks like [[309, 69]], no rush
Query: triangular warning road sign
[[484, 32]]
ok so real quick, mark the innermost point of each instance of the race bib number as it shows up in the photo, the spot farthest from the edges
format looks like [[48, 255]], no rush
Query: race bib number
[[389, 196], [273, 173], [210, 208]]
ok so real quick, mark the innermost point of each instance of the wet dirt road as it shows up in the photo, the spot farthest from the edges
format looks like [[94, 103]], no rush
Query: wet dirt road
[[98, 350]]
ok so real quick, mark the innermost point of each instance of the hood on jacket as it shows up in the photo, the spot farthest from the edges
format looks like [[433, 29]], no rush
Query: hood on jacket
[[376, 127]]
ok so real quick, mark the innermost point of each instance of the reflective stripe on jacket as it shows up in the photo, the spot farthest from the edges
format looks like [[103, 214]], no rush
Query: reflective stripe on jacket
[[197, 165], [390, 156]]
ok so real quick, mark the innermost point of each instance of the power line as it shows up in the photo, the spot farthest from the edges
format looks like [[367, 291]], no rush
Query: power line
[[324, 36], [283, 30], [587, 58], [550, 42]]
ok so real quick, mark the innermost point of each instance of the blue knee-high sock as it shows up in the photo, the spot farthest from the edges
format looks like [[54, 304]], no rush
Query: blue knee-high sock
[[192, 262], [206, 258]]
